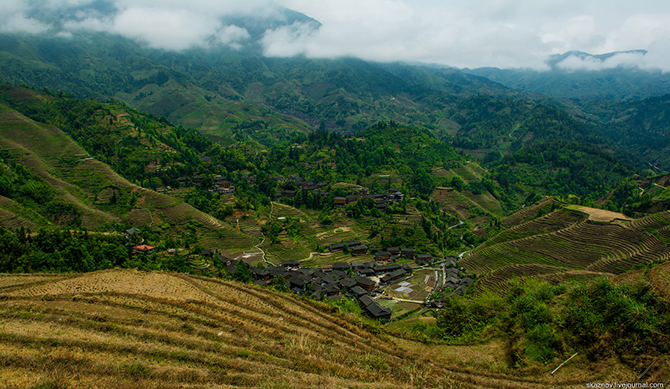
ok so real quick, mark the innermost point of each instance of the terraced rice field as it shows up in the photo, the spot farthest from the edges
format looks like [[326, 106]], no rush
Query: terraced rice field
[[567, 241], [129, 329], [552, 222], [529, 213], [497, 281]]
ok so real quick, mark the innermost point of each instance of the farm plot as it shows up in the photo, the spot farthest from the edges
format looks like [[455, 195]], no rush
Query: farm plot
[[594, 246], [416, 287], [124, 328]]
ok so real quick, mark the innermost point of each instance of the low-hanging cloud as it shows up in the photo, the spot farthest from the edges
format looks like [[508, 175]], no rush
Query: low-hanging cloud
[[169, 25], [460, 33]]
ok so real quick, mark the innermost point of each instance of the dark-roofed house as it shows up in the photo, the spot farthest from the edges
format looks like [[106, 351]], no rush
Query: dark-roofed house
[[383, 256], [133, 231], [460, 289], [351, 198], [341, 266], [366, 272], [278, 272], [373, 309], [290, 263], [340, 201], [366, 300], [288, 193], [331, 290], [393, 250], [408, 253], [376, 311], [387, 268], [207, 253], [336, 247], [365, 283], [261, 274], [381, 204], [359, 250], [424, 258], [356, 266], [357, 291], [348, 282], [298, 281], [397, 274]]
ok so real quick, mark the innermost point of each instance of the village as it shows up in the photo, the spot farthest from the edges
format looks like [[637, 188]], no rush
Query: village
[[372, 284], [419, 280]]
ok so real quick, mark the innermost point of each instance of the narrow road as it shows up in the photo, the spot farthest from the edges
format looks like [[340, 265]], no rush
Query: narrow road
[[455, 225], [246, 255]]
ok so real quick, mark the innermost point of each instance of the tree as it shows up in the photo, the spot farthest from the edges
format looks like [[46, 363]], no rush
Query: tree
[[242, 273]]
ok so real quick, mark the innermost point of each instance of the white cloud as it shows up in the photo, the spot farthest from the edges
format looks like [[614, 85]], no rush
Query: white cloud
[[462, 33], [591, 63], [171, 29], [17, 22], [231, 36]]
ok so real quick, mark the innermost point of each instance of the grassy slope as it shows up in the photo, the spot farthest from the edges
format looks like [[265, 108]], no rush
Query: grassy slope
[[147, 329]]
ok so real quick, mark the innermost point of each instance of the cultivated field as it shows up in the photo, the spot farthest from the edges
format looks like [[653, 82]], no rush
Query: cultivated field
[[569, 240], [130, 329]]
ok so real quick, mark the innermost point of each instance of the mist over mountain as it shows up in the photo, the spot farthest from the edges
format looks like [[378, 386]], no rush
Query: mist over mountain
[[579, 75]]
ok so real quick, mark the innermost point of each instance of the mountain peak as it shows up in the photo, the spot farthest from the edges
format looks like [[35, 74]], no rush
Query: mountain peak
[[556, 60]]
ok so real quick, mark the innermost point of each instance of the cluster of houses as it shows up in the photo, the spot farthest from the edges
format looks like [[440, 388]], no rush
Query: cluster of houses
[[357, 280], [382, 200], [302, 184], [455, 282], [221, 184], [389, 254]]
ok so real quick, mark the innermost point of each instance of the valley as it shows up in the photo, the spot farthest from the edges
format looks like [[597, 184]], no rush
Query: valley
[[216, 216]]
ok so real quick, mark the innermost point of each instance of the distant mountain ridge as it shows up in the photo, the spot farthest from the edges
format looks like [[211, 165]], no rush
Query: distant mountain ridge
[[586, 79], [555, 60]]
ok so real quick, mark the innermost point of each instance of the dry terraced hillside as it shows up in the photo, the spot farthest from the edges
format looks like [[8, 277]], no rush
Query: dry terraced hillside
[[130, 329]]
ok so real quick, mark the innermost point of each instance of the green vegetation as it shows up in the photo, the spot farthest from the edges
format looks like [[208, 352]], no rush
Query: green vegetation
[[543, 323]]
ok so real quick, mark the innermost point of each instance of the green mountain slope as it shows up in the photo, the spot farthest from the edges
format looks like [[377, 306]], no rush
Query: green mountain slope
[[90, 192]]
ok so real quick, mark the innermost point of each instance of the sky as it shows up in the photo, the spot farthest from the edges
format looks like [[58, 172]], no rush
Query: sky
[[459, 33]]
